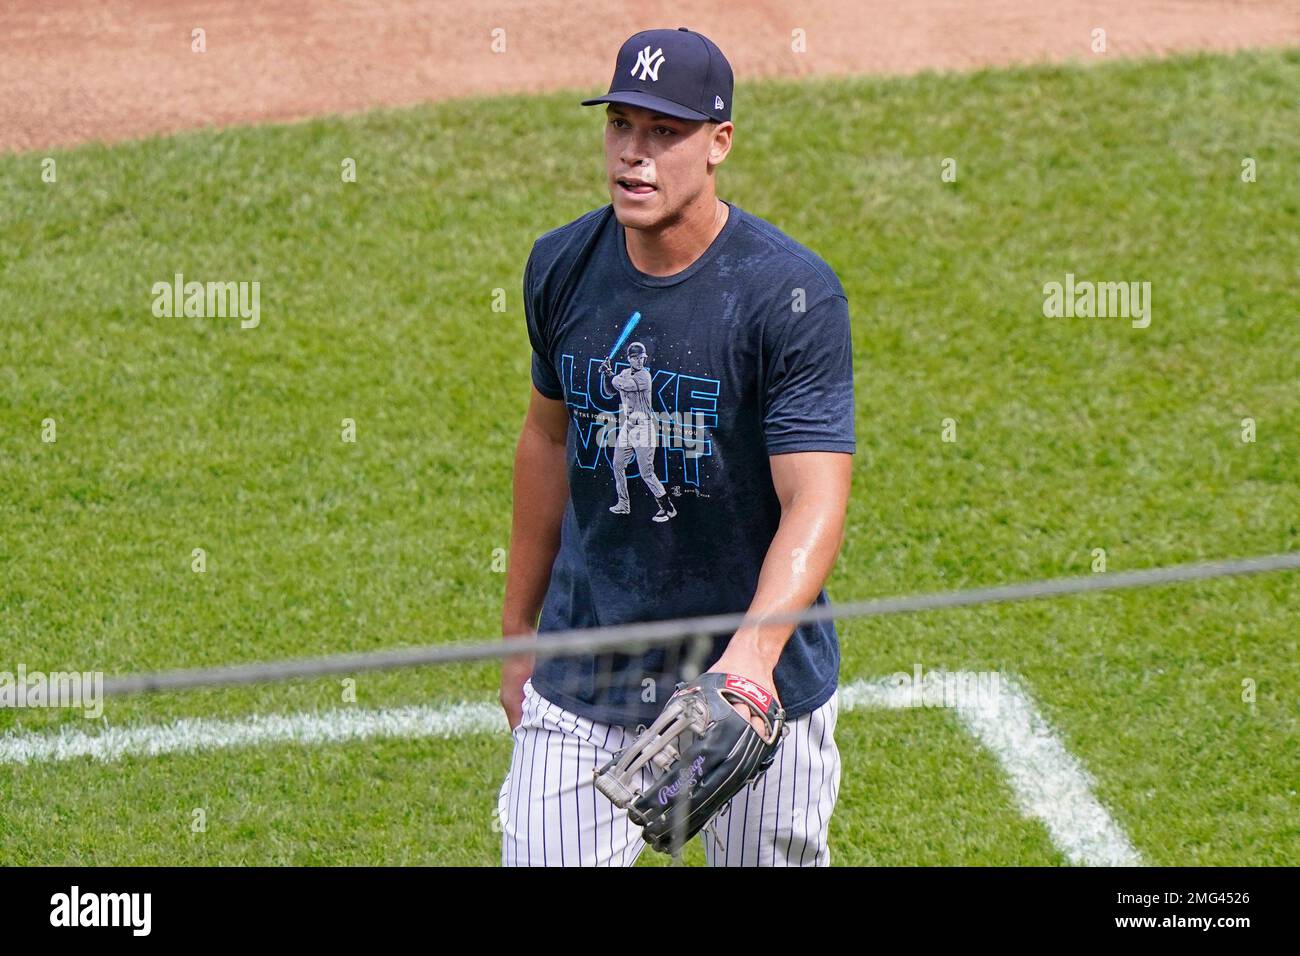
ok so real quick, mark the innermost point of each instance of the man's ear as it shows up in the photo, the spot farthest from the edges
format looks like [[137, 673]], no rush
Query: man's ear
[[720, 142]]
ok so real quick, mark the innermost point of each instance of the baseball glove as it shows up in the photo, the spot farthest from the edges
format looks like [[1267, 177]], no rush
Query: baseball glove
[[705, 753]]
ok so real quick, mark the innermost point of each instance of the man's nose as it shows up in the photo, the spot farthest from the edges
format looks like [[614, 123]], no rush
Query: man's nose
[[636, 149]]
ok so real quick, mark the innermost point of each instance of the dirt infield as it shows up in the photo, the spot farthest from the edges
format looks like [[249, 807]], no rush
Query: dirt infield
[[83, 72]]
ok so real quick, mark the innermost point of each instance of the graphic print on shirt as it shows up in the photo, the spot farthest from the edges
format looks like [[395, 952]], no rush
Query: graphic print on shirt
[[662, 421], [636, 432]]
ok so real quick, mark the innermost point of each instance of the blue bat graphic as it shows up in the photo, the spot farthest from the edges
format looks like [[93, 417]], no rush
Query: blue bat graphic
[[627, 330]]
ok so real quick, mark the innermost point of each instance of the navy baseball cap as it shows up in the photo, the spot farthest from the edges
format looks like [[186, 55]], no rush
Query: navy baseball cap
[[677, 73]]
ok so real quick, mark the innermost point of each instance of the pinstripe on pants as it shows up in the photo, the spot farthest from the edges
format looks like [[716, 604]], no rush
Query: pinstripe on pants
[[552, 815]]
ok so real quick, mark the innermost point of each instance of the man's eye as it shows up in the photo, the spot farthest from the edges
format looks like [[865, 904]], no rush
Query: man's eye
[[619, 123]]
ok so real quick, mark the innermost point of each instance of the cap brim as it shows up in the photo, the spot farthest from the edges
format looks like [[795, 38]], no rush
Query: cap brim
[[650, 102]]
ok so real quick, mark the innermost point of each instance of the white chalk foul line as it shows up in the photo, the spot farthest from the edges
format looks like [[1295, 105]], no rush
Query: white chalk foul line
[[194, 734], [1049, 783]]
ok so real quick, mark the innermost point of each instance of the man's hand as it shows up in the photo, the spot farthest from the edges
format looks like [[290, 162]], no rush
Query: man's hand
[[743, 659], [515, 671], [605, 367]]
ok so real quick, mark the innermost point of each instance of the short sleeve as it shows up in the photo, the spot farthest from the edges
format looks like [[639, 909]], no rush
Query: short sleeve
[[808, 404], [545, 378]]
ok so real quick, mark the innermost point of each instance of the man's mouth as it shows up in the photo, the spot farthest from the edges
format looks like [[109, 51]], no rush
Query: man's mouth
[[634, 186]]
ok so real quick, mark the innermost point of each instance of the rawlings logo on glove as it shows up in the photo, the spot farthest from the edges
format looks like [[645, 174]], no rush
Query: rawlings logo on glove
[[674, 788], [745, 686]]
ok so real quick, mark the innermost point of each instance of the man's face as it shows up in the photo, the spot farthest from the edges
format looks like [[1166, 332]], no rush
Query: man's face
[[667, 160]]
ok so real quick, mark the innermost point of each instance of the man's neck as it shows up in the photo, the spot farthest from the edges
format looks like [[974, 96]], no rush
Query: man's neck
[[668, 251]]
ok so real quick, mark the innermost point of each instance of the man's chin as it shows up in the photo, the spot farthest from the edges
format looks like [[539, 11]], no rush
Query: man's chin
[[637, 217]]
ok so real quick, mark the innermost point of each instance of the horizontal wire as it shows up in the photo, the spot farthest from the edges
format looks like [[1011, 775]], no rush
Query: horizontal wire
[[636, 638]]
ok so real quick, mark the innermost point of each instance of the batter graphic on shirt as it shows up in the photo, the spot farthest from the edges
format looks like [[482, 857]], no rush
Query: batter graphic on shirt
[[636, 432]]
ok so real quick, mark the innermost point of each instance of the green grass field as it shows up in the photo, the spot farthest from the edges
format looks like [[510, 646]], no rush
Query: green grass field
[[376, 302]]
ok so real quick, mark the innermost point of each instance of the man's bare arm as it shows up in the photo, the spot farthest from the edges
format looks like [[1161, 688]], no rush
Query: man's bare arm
[[813, 488], [541, 491]]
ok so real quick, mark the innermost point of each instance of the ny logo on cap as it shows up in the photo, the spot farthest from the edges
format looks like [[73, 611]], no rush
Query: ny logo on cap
[[648, 63], [717, 102]]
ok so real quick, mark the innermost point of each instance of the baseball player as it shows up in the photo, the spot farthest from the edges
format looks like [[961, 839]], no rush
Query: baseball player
[[750, 335], [636, 432]]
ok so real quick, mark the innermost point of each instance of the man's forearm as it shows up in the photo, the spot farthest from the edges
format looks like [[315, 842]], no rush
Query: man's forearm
[[541, 491], [798, 562]]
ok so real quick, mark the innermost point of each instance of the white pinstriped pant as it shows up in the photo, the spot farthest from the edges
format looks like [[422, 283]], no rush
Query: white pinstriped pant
[[552, 815]]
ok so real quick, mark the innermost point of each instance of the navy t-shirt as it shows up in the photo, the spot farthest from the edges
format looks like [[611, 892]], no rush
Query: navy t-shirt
[[746, 353]]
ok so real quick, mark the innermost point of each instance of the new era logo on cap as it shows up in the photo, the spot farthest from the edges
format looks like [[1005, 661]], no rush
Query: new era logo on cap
[[674, 72]]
